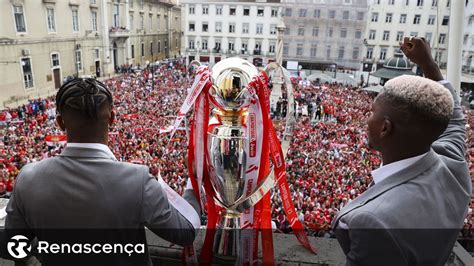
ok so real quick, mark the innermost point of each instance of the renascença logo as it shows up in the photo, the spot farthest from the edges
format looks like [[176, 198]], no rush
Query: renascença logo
[[19, 246]]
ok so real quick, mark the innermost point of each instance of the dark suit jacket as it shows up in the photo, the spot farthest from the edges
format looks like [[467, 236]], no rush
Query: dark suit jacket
[[85, 195], [412, 217]]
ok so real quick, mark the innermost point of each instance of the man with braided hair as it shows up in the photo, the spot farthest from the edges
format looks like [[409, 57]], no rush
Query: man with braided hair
[[85, 187]]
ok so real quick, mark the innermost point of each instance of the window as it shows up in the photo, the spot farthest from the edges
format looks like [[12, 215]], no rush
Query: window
[[260, 12], [204, 45], [391, 2], [116, 19], [27, 72], [383, 53], [330, 32], [205, 27], [244, 48], [231, 28], [192, 26], [428, 37], [360, 15], [132, 48], [315, 31], [434, 3], [414, 33], [158, 48], [131, 2], [75, 21], [191, 44], [288, 12], [205, 10], [301, 31], [259, 28], [93, 2], [218, 10], [78, 60], [142, 2], [97, 53], [246, 11], [94, 20], [343, 33], [471, 19], [245, 28], [151, 48], [317, 13], [299, 49], [386, 35], [388, 18], [328, 51], [287, 31], [314, 49], [142, 22], [258, 48], [273, 29], [355, 53], [399, 36], [370, 52], [448, 3], [51, 20], [372, 35], [431, 19], [131, 22], [231, 46], [403, 18], [271, 48], [407, 2], [158, 24], [150, 22], [218, 26], [274, 12], [191, 10], [417, 19], [217, 46], [55, 59], [232, 11], [340, 54], [445, 21], [332, 13], [345, 15], [302, 12], [419, 3], [19, 20], [438, 56], [358, 34], [143, 50], [466, 37], [442, 38], [375, 17], [286, 48]]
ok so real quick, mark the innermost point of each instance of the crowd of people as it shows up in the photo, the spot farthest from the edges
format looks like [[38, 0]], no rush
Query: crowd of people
[[328, 160]]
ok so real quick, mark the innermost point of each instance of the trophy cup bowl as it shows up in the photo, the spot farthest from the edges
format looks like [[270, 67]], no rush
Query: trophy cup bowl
[[226, 154]]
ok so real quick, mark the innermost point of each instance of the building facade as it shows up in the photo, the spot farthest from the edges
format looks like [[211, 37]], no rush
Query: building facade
[[324, 32], [468, 39], [214, 30], [389, 21], [43, 42]]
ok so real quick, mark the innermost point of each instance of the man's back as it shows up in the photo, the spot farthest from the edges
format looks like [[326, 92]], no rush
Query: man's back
[[86, 196]]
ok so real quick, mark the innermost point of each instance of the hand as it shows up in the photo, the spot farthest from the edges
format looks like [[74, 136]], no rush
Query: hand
[[417, 50]]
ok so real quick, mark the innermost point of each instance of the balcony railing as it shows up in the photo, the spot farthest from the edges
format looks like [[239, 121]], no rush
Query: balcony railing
[[119, 32]]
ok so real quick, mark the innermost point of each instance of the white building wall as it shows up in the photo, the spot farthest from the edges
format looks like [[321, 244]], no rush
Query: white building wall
[[225, 37], [438, 9], [468, 40]]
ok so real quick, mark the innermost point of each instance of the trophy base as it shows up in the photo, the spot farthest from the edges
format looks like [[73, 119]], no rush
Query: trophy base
[[227, 240]]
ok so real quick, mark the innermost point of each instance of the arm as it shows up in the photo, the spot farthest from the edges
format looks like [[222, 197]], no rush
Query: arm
[[371, 243], [15, 222], [162, 218], [451, 143]]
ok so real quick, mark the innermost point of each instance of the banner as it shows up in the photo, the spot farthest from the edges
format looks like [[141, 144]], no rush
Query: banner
[[52, 140]]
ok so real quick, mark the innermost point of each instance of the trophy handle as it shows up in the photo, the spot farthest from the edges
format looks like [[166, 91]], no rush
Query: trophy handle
[[262, 189]]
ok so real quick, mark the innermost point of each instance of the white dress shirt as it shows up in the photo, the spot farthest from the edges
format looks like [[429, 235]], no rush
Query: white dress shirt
[[98, 146]]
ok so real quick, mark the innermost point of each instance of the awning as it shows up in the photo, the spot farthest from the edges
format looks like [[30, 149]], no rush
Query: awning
[[386, 73]]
